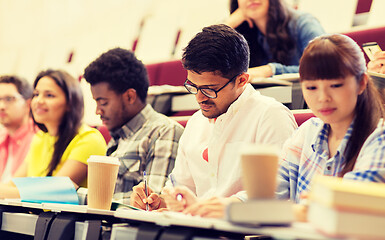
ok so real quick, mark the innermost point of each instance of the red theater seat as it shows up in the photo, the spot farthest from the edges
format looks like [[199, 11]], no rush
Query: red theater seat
[[363, 6], [302, 115], [153, 73], [376, 34], [172, 73], [104, 131], [166, 73]]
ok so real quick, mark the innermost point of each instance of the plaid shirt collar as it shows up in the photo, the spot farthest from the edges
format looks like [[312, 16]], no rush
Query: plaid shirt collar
[[132, 126], [321, 141]]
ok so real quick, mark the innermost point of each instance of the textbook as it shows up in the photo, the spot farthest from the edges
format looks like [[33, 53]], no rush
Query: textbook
[[344, 194], [261, 212], [339, 223]]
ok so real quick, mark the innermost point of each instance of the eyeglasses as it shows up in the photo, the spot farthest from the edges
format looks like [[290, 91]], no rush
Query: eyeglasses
[[208, 92], [9, 99]]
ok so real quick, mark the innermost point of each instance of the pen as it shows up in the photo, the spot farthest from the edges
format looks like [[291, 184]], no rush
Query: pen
[[179, 196], [145, 188]]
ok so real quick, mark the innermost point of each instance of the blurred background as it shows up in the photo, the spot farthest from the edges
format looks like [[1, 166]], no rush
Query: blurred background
[[69, 34], [40, 34]]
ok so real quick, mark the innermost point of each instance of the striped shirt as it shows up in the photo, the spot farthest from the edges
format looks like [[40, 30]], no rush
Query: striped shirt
[[148, 142], [306, 154]]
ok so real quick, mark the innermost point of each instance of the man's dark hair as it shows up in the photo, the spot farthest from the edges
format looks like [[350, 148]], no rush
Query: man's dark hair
[[121, 70], [218, 48], [22, 85]]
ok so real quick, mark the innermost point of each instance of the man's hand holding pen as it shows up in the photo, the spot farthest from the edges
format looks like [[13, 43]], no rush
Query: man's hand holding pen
[[138, 198]]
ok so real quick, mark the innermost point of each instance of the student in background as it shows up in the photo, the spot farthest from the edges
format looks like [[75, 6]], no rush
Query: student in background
[[378, 64], [232, 113], [142, 139], [347, 139], [64, 143], [16, 136], [276, 34]]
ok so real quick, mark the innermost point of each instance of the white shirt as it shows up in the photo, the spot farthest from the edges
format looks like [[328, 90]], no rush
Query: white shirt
[[252, 118]]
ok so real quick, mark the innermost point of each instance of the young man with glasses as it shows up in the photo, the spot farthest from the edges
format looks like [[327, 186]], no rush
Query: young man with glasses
[[232, 114], [16, 136]]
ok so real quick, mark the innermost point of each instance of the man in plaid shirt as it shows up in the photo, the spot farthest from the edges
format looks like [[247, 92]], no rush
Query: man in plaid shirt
[[142, 139]]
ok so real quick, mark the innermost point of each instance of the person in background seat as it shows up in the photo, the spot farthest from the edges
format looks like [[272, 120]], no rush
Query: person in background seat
[[16, 136]]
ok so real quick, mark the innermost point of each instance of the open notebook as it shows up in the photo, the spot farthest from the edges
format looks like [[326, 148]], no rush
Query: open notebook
[[47, 190]]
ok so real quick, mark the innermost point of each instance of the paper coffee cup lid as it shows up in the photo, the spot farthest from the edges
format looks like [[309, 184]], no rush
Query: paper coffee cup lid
[[254, 148], [104, 159]]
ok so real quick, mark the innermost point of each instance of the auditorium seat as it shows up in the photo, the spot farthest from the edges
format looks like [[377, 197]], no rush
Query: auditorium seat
[[166, 73], [171, 73], [153, 73], [302, 115], [104, 131], [363, 6], [372, 34]]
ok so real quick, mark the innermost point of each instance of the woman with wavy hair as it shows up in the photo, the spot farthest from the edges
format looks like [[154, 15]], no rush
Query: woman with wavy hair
[[64, 143], [276, 33]]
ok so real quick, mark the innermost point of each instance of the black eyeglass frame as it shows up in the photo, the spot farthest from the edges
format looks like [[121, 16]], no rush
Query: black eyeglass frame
[[186, 84]]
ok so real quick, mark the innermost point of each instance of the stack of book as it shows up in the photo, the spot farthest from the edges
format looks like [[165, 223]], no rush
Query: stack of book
[[347, 208]]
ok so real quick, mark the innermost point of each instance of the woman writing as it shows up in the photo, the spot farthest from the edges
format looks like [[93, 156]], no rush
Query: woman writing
[[276, 34], [64, 144]]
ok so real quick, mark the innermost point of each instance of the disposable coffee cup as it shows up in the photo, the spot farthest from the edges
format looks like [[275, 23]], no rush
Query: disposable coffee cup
[[259, 170], [102, 174]]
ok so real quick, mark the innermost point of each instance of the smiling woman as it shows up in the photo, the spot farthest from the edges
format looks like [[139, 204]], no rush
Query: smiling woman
[[64, 144]]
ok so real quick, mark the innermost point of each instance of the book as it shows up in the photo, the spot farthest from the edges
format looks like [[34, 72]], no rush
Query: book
[[340, 223], [344, 194], [47, 190], [261, 212]]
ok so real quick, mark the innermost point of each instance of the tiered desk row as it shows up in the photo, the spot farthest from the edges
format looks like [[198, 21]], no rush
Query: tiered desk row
[[21, 220]]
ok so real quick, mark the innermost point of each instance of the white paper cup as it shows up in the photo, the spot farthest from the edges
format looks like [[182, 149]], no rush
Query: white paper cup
[[102, 174], [259, 170]]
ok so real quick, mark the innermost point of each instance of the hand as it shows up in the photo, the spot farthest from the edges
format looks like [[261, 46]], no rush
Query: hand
[[9, 190], [237, 18], [170, 196], [301, 210], [212, 208], [138, 198], [378, 64], [260, 72]]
